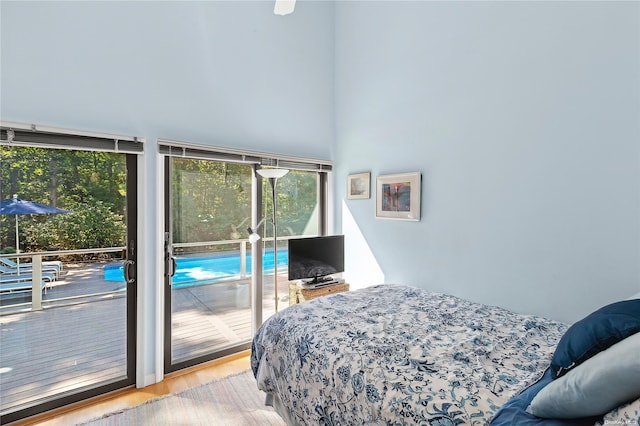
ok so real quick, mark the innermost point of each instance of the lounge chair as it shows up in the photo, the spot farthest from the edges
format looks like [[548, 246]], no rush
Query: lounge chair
[[10, 287], [11, 277], [10, 267], [12, 283]]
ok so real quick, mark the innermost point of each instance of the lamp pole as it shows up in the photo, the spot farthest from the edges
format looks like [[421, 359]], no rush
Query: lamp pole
[[273, 175], [273, 181]]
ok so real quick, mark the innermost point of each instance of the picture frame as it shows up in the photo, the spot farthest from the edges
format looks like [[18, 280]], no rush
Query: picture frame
[[359, 186], [398, 196]]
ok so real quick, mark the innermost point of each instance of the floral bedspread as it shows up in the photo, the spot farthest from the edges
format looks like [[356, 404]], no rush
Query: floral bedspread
[[398, 355]]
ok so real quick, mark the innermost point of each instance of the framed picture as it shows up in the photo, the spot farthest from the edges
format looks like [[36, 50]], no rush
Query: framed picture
[[398, 196], [359, 186]]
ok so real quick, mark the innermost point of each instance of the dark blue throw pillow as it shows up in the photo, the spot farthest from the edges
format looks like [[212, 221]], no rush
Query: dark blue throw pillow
[[594, 333], [513, 412]]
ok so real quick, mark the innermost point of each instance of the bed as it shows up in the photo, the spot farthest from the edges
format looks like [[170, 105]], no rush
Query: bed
[[398, 355]]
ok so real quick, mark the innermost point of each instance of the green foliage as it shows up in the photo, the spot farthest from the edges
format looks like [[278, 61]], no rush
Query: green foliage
[[297, 200], [86, 226], [91, 184], [211, 201]]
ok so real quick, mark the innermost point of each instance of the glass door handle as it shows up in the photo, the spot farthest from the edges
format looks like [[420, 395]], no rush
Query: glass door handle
[[170, 264], [129, 276], [170, 267], [174, 266]]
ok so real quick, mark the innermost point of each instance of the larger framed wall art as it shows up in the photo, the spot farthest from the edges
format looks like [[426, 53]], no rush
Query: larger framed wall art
[[398, 196]]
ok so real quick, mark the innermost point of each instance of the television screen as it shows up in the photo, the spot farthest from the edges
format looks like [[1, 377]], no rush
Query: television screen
[[314, 258]]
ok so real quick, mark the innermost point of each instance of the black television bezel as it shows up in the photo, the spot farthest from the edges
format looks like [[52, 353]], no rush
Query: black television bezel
[[319, 278]]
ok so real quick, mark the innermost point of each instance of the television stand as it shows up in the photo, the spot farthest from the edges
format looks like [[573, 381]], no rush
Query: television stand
[[298, 292]]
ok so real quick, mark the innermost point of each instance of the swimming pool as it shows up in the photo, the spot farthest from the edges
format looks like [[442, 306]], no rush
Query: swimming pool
[[207, 269]]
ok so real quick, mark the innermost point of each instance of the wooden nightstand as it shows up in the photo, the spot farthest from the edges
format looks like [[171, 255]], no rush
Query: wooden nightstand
[[298, 294]]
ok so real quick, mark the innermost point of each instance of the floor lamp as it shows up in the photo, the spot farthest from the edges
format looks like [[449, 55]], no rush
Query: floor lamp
[[273, 175]]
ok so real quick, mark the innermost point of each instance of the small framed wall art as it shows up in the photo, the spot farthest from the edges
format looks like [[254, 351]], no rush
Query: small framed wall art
[[398, 196], [359, 186]]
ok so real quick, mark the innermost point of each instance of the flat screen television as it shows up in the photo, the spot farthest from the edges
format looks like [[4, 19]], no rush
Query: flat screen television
[[314, 259]]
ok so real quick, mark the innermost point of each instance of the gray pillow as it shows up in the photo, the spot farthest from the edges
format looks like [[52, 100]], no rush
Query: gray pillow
[[595, 387]]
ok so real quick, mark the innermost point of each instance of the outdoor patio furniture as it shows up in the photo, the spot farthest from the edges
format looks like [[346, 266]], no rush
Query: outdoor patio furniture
[[9, 276], [16, 286], [53, 266]]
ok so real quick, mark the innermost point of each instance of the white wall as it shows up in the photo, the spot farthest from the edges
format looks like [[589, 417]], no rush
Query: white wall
[[524, 119], [222, 73], [225, 73]]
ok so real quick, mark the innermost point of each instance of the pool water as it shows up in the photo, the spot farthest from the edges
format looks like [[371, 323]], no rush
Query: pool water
[[204, 270]]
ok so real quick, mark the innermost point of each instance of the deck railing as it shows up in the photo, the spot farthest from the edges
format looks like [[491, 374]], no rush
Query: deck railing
[[36, 275], [36, 302]]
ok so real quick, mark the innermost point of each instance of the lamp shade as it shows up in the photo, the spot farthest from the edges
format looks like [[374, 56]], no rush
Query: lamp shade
[[284, 7], [272, 173], [254, 238]]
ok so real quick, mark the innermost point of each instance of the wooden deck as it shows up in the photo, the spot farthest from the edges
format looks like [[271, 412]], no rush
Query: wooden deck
[[66, 347]]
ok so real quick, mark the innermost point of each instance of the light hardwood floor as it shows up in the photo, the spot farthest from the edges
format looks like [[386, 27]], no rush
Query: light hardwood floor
[[126, 398]]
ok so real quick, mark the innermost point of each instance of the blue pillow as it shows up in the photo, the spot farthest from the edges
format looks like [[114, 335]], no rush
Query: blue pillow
[[595, 387], [513, 411], [595, 333]]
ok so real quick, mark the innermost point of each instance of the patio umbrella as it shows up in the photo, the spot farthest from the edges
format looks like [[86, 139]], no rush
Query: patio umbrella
[[16, 206]]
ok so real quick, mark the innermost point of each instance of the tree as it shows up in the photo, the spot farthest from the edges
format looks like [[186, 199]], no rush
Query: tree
[[87, 226], [81, 181], [211, 200]]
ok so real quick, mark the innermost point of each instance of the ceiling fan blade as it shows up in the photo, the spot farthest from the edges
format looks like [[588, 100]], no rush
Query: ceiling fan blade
[[284, 7]]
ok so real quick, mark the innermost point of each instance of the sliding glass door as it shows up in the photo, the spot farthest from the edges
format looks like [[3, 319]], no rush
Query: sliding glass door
[[210, 273], [207, 298], [70, 336]]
